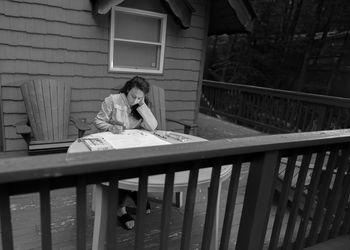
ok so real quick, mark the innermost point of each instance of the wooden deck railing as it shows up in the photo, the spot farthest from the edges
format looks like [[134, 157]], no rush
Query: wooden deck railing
[[324, 196], [272, 110]]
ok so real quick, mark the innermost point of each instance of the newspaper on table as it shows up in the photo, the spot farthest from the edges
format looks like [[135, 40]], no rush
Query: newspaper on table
[[127, 139], [96, 143]]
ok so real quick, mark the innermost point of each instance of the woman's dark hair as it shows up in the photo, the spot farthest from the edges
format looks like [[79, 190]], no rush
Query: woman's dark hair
[[140, 83]]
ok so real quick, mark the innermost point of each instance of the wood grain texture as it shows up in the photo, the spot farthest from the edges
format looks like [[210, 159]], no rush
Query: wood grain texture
[[81, 211], [189, 208], [45, 215], [48, 106], [166, 211], [6, 224]]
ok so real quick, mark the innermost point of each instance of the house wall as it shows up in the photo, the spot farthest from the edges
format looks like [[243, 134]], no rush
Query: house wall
[[64, 40]]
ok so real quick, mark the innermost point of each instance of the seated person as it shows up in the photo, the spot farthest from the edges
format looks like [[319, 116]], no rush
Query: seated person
[[127, 110]]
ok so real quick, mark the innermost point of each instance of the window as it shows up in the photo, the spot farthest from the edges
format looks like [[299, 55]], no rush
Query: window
[[137, 41]]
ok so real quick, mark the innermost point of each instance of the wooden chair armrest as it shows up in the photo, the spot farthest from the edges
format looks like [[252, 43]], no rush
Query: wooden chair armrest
[[187, 126], [22, 128], [81, 125]]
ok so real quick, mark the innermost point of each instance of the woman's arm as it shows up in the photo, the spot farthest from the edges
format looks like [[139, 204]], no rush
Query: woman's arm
[[149, 122], [104, 115]]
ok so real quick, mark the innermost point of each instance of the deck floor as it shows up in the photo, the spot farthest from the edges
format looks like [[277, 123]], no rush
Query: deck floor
[[25, 208]]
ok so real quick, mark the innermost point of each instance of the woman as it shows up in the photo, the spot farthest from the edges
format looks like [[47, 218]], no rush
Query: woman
[[127, 110]]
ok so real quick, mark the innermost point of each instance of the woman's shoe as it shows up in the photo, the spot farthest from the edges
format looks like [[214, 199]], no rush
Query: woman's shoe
[[148, 207], [124, 219]]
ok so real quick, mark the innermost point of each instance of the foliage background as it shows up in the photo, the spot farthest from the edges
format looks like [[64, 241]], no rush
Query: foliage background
[[299, 45]]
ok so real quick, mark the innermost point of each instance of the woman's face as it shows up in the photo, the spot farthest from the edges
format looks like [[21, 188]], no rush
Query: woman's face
[[134, 96]]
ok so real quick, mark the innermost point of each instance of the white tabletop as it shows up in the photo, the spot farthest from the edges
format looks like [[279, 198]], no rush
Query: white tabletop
[[156, 182]]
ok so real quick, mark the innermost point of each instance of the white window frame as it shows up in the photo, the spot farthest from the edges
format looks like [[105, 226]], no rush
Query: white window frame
[[162, 17]]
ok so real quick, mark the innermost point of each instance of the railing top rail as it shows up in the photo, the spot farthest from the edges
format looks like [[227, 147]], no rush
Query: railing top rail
[[330, 100], [47, 166]]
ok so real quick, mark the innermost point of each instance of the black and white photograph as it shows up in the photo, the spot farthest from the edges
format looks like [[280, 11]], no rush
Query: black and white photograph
[[175, 124]]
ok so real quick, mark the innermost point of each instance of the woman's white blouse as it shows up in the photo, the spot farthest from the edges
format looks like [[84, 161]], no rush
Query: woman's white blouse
[[115, 108]]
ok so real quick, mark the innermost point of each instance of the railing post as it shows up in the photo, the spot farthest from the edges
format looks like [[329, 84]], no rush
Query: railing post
[[5, 219], [257, 202]]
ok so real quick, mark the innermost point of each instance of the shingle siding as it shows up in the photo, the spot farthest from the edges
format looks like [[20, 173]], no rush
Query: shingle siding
[[63, 40]]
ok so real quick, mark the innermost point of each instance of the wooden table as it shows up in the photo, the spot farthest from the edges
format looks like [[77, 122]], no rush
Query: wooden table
[[155, 184]]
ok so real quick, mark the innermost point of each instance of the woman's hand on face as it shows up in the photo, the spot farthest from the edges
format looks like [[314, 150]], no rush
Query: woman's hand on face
[[116, 129], [142, 101]]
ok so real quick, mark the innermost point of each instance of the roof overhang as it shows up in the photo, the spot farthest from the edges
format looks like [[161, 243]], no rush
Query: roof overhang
[[226, 16], [231, 16]]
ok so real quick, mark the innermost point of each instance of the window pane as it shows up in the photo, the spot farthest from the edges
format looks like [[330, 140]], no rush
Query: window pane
[[135, 27], [136, 55]]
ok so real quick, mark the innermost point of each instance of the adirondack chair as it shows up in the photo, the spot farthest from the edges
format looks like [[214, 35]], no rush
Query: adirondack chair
[[47, 102], [156, 97]]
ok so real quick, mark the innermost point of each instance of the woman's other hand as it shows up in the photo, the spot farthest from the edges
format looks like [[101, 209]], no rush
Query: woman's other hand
[[116, 129]]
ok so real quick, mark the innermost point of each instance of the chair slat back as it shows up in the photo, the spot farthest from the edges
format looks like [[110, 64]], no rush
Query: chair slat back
[[47, 102], [156, 97]]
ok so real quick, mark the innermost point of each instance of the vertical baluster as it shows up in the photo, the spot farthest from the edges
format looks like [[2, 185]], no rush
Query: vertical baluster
[[274, 114], [223, 103], [140, 210], [293, 116], [270, 111], [45, 215], [246, 105], [166, 211], [256, 105], [305, 118], [339, 215], [257, 201], [81, 213], [287, 110], [284, 113], [321, 199], [329, 124], [219, 95], [312, 120], [280, 112], [5, 219], [251, 106], [241, 105], [251, 109], [347, 118], [346, 224], [338, 118], [211, 207], [299, 114], [282, 205], [230, 206], [111, 213], [297, 198], [237, 98], [311, 194], [189, 208], [259, 107], [336, 194], [321, 118], [213, 99]]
